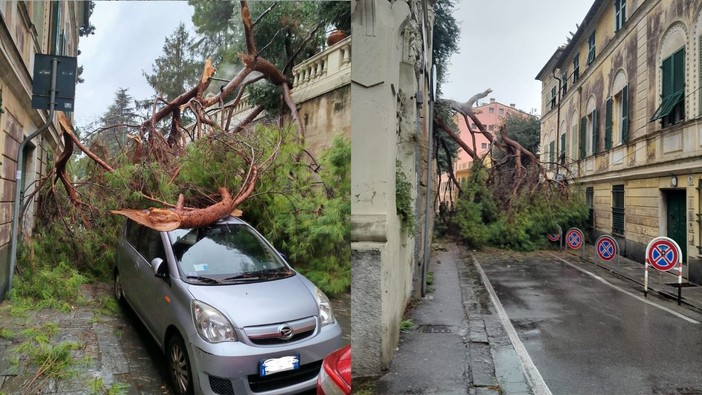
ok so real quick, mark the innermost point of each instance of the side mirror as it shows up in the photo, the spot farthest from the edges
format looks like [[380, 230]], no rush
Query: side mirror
[[156, 266]]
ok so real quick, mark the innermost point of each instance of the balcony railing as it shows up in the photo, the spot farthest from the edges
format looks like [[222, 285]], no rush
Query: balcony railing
[[322, 73]]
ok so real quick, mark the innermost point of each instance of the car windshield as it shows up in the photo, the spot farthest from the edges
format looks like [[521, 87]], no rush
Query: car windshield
[[225, 253]]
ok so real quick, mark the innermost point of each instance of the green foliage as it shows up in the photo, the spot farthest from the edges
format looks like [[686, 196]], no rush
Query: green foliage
[[406, 325], [115, 123], [283, 31], [445, 38], [176, 70], [403, 200], [307, 215], [478, 221], [97, 386], [524, 129]]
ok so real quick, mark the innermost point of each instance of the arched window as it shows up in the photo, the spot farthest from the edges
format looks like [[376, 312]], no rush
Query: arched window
[[617, 112], [573, 152], [671, 77], [589, 130]]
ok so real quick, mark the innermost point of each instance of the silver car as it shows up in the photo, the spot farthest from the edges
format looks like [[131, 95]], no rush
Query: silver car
[[230, 314]]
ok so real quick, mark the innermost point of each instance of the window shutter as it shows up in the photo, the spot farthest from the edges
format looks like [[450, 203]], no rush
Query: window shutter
[[625, 114], [667, 74], [551, 153], [608, 124], [595, 132], [561, 155], [583, 126], [679, 70]]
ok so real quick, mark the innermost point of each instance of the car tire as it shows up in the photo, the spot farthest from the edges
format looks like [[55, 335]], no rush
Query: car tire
[[179, 365], [119, 292]]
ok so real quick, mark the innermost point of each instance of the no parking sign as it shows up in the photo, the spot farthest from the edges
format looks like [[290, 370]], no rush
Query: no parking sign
[[575, 238], [663, 253], [606, 248]]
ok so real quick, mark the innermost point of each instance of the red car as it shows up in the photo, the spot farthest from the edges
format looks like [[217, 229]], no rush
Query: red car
[[335, 376]]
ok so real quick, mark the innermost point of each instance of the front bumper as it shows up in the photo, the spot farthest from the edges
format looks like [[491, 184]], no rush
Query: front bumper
[[232, 367]]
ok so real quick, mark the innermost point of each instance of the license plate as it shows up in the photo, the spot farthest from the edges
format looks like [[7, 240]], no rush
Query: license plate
[[276, 365]]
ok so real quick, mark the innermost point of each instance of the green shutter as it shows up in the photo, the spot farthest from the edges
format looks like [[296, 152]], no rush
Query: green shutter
[[608, 124], [667, 74], [679, 70], [551, 152], [595, 132], [625, 114], [583, 126], [563, 147]]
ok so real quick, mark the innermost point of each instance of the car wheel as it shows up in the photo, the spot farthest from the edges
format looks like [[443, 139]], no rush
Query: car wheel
[[179, 365], [119, 293]]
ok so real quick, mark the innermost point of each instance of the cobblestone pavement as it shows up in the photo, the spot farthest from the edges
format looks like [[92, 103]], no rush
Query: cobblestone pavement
[[112, 350]]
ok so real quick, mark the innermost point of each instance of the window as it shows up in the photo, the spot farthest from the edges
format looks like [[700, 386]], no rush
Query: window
[[491, 110], [617, 118], [501, 111], [590, 200], [562, 155], [619, 14], [551, 154], [483, 145], [491, 127], [589, 134], [618, 209], [564, 82], [576, 68], [591, 48], [672, 107], [552, 102], [473, 127]]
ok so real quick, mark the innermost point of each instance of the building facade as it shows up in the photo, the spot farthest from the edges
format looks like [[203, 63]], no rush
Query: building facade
[[28, 28], [622, 109]]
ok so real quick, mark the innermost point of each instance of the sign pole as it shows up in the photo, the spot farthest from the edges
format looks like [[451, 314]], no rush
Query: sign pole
[[646, 279], [680, 270]]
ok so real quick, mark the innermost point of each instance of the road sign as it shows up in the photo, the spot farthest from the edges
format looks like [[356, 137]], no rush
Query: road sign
[[663, 253], [606, 248], [575, 238], [66, 74], [556, 235]]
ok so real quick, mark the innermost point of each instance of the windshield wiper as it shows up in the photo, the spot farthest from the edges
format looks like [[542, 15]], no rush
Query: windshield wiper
[[243, 277], [208, 280]]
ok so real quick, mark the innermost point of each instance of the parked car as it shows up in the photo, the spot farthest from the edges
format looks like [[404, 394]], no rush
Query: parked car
[[335, 377], [228, 311]]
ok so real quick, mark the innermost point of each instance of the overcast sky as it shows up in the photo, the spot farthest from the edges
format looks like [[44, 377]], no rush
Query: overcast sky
[[505, 43], [129, 36]]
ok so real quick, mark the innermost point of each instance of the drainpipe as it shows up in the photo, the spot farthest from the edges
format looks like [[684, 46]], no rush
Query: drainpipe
[[18, 178], [558, 121], [425, 263]]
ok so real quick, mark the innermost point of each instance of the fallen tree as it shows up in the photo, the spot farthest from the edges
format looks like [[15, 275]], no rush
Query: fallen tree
[[212, 120]]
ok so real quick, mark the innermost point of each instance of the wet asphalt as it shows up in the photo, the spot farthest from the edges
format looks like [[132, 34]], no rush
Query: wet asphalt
[[587, 337], [114, 349]]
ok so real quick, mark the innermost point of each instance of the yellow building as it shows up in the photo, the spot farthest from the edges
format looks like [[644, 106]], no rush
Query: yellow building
[[622, 105], [27, 28]]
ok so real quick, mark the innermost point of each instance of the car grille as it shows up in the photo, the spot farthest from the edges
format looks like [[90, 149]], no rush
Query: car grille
[[221, 386], [284, 379], [269, 335]]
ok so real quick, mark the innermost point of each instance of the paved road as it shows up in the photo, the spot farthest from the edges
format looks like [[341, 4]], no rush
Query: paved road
[[585, 336]]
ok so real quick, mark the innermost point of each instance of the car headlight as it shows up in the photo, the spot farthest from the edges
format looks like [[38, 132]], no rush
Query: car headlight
[[326, 314], [212, 325]]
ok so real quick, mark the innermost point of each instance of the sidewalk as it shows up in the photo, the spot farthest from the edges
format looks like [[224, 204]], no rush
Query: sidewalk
[[664, 283], [457, 344]]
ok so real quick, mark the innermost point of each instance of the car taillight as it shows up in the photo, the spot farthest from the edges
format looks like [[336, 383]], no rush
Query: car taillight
[[335, 375]]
